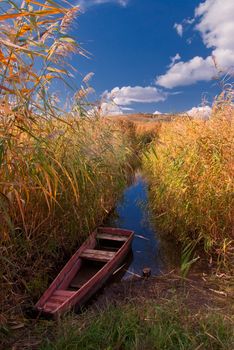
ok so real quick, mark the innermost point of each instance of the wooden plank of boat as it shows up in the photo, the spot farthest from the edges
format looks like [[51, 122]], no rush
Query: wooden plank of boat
[[86, 271], [97, 255], [112, 237]]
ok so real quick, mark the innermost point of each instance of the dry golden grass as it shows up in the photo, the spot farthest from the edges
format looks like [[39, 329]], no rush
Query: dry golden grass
[[53, 192], [53, 169], [190, 170], [146, 126]]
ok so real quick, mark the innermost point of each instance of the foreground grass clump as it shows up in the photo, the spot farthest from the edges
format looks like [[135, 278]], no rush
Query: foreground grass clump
[[190, 171], [148, 326]]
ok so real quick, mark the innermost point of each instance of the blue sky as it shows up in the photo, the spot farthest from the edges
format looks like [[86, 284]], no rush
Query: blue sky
[[132, 44], [154, 55]]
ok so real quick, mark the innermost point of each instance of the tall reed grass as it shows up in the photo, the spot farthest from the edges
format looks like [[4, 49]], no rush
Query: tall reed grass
[[190, 170], [60, 173], [146, 127], [53, 193]]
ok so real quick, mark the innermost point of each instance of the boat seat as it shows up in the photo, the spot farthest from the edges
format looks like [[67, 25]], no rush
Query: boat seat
[[97, 255], [112, 237]]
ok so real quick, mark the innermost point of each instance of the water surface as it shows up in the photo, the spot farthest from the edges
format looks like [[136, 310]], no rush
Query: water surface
[[131, 213]]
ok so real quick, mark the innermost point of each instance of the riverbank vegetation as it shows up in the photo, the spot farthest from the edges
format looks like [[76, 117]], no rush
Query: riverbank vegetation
[[54, 165], [190, 172], [149, 327], [165, 312], [53, 193], [146, 126]]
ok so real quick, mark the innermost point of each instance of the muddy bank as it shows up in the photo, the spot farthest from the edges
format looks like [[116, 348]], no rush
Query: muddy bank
[[197, 292]]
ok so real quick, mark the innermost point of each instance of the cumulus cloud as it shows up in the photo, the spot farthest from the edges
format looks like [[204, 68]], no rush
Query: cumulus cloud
[[118, 101], [127, 95], [107, 108], [110, 108], [215, 24], [186, 73], [179, 28], [217, 29], [202, 112]]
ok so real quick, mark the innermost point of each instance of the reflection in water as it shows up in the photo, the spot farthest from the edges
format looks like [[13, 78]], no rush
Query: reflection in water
[[131, 214]]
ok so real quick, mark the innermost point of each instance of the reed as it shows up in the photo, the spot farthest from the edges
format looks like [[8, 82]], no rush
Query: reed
[[60, 173], [146, 127], [190, 169]]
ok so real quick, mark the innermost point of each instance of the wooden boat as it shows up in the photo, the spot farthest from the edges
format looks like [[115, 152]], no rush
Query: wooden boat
[[87, 270]]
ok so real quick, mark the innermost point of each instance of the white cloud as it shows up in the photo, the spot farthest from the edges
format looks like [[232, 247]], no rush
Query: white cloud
[[186, 73], [118, 100], [98, 2], [87, 3], [179, 28], [105, 108], [174, 59], [217, 31], [189, 20], [216, 25], [203, 112], [110, 108], [127, 109], [127, 95], [157, 112]]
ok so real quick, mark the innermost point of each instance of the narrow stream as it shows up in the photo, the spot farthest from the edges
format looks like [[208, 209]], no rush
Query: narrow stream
[[131, 213]]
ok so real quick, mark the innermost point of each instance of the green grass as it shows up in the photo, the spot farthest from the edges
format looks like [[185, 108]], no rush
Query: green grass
[[146, 326]]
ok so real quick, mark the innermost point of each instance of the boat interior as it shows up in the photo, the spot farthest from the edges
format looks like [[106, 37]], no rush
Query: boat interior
[[93, 260]]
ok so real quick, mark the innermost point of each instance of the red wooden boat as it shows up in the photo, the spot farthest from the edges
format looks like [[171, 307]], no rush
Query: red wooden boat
[[87, 270]]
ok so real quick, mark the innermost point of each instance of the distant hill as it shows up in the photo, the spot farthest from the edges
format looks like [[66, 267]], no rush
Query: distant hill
[[145, 117]]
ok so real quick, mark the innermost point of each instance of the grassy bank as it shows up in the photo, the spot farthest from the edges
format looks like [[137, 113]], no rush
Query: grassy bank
[[190, 171], [149, 327], [166, 312]]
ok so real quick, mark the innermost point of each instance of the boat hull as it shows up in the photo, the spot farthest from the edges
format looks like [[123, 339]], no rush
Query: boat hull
[[62, 296]]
